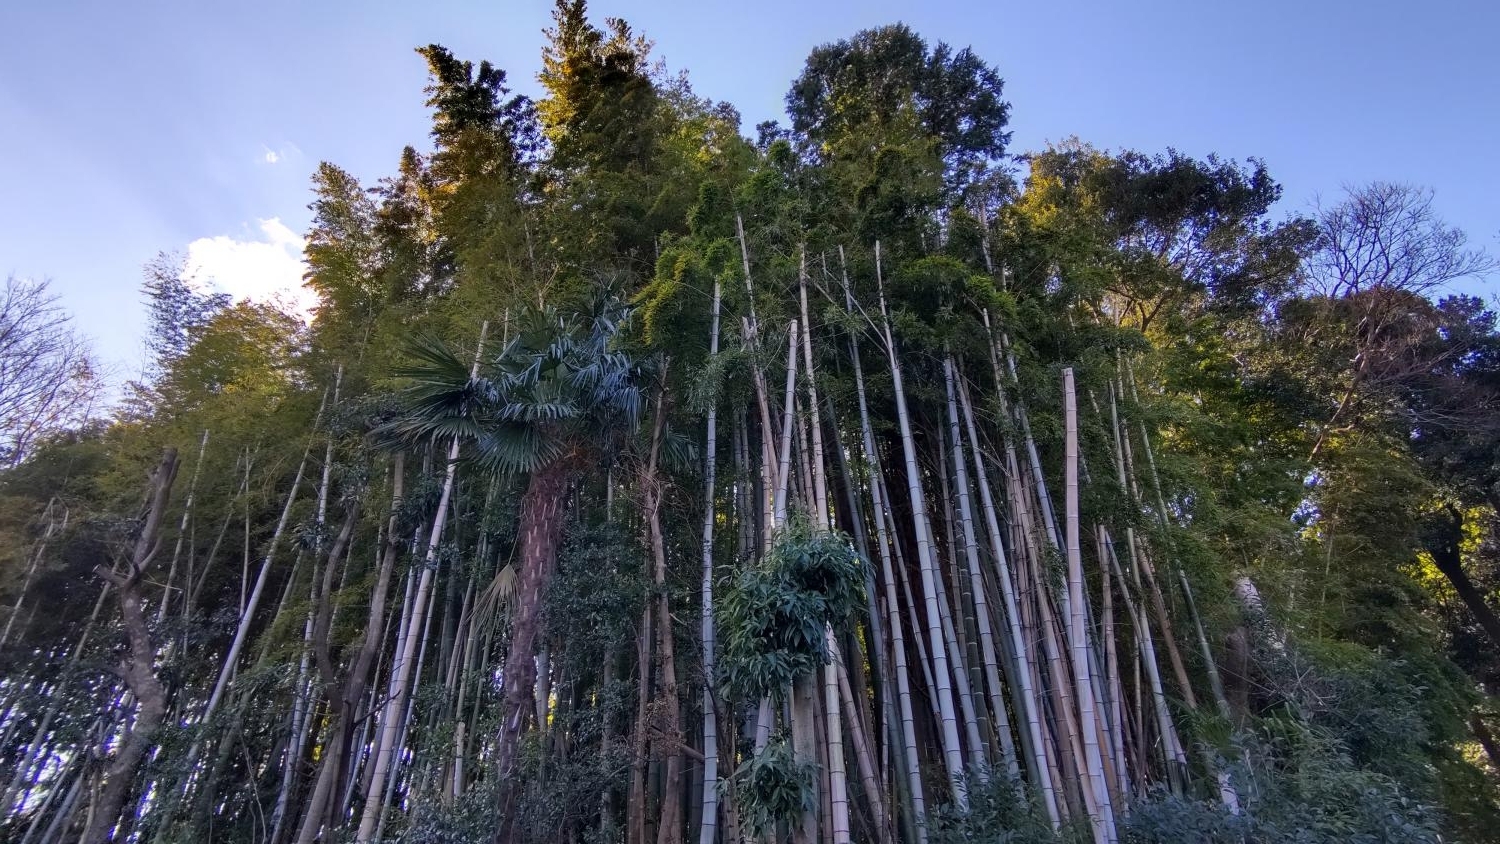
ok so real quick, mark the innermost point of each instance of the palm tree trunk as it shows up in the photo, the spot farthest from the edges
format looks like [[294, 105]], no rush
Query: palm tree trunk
[[539, 532]]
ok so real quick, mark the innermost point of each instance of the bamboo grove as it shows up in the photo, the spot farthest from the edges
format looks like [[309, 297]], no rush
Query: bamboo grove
[[636, 481]]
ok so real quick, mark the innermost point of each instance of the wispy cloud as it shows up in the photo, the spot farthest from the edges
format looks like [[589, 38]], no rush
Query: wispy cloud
[[265, 267], [281, 153]]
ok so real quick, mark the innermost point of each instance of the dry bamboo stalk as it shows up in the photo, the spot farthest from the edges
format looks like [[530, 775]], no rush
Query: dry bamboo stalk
[[788, 428], [1176, 759], [392, 719], [1112, 673], [837, 776]]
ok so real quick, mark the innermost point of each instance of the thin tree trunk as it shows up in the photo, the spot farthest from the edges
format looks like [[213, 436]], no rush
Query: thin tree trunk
[[788, 429], [247, 615], [1448, 558], [53, 526], [345, 694], [669, 829], [1021, 667], [182, 531], [636, 800], [976, 582], [832, 704], [138, 666]]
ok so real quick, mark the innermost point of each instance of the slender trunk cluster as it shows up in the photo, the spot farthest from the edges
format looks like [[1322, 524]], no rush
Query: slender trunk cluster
[[1006, 633]]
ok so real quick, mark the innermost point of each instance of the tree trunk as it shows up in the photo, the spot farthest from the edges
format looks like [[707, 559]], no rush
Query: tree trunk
[[669, 829], [1448, 558], [393, 716], [347, 693], [539, 532], [242, 630], [1104, 823], [1021, 660], [138, 666], [976, 583]]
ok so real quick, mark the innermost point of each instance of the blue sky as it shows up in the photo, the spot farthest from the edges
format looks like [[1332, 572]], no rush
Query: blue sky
[[132, 128]]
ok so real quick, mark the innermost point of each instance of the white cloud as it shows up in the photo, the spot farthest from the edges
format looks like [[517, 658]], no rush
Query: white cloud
[[268, 267], [284, 152]]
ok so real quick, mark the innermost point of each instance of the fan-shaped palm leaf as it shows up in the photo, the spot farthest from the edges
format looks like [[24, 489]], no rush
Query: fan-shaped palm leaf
[[557, 380]]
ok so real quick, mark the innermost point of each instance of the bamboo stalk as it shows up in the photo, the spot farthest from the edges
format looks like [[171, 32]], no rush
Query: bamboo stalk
[[837, 776], [401, 667], [908, 747], [976, 583], [1021, 670], [952, 752], [709, 826], [1104, 822]]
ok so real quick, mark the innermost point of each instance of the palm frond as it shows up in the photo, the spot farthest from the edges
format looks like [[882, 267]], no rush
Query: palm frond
[[538, 411], [559, 381], [679, 453], [430, 360], [515, 447]]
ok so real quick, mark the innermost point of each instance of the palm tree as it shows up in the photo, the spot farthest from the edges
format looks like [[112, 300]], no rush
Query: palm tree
[[542, 408]]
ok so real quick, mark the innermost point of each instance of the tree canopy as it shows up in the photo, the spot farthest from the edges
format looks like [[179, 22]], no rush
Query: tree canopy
[[866, 480]]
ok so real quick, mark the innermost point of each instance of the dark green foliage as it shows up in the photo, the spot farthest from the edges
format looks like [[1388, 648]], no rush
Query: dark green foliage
[[773, 616], [1001, 811], [773, 786], [1296, 786], [600, 587], [175, 310], [880, 77]]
